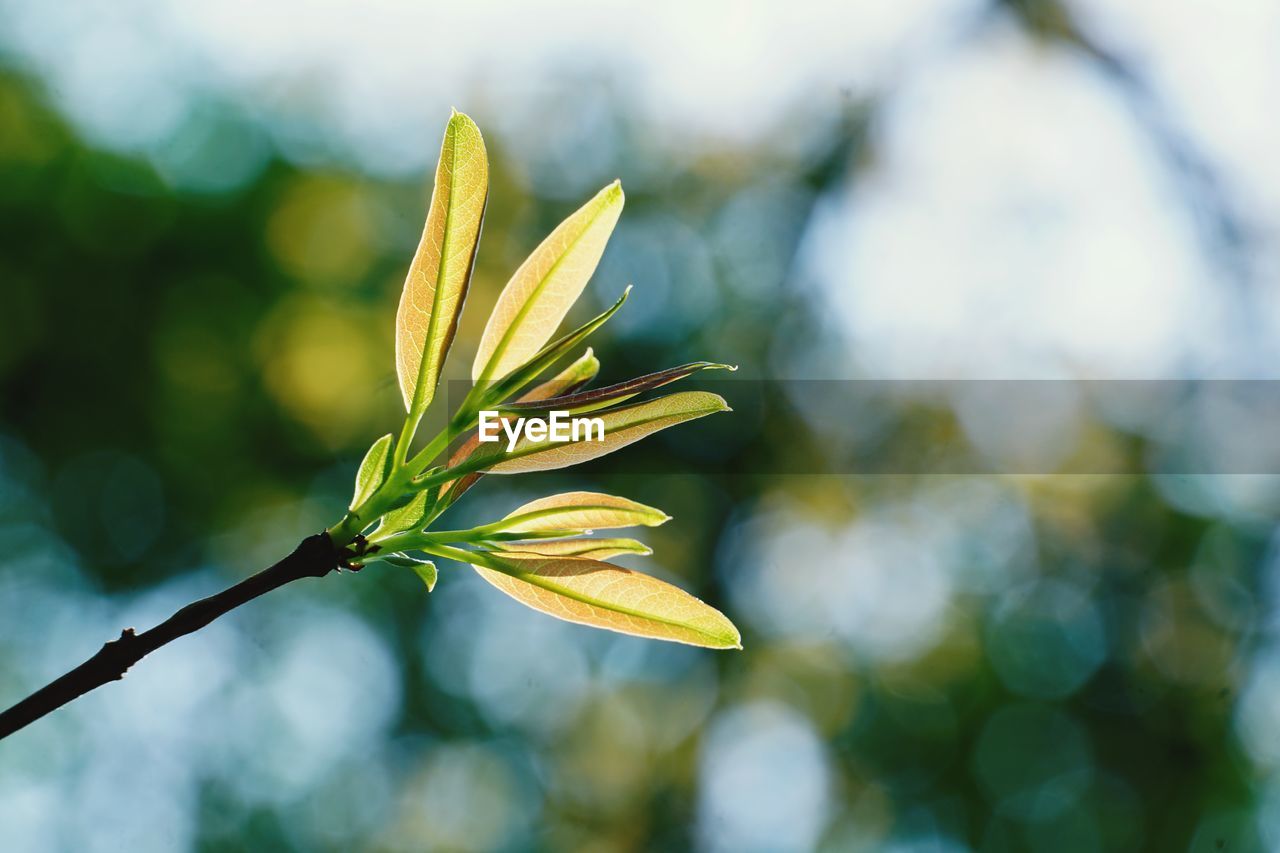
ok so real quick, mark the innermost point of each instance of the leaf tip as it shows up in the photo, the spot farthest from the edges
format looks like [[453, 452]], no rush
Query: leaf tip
[[462, 122], [716, 403], [426, 571], [733, 637]]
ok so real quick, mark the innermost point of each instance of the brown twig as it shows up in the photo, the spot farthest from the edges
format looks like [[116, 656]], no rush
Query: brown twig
[[314, 557]]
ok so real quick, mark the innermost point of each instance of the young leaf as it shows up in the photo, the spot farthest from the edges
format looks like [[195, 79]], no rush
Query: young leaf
[[586, 401], [623, 425], [411, 516], [578, 511], [545, 286], [550, 354], [373, 470], [592, 549], [603, 595], [573, 377], [437, 282], [425, 569], [454, 489], [566, 381]]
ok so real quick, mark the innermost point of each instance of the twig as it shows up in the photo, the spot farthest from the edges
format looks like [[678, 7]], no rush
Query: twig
[[314, 557]]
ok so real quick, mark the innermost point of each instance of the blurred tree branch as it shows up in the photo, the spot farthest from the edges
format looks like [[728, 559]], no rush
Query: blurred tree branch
[[1223, 227]]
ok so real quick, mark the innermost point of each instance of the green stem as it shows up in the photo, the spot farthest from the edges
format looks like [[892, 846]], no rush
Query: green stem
[[413, 540], [462, 420], [407, 432], [401, 480], [434, 448], [345, 531], [457, 554], [404, 470], [444, 475]]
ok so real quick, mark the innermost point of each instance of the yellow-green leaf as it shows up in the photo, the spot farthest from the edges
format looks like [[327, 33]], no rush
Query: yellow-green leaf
[[373, 470], [498, 392], [573, 377], [592, 549], [599, 398], [424, 569], [545, 286], [603, 595], [411, 516], [566, 381], [578, 511], [437, 282], [622, 426]]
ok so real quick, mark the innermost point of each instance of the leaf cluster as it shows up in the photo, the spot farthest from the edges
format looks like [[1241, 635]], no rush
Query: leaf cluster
[[542, 554]]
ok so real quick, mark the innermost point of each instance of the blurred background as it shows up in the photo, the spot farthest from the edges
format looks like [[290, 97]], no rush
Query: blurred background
[[206, 212]]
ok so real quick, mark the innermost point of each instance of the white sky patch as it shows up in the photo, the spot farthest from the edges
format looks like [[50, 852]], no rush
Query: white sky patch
[[1016, 224], [764, 781], [883, 584], [1255, 713], [379, 74], [1218, 66], [875, 585]]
